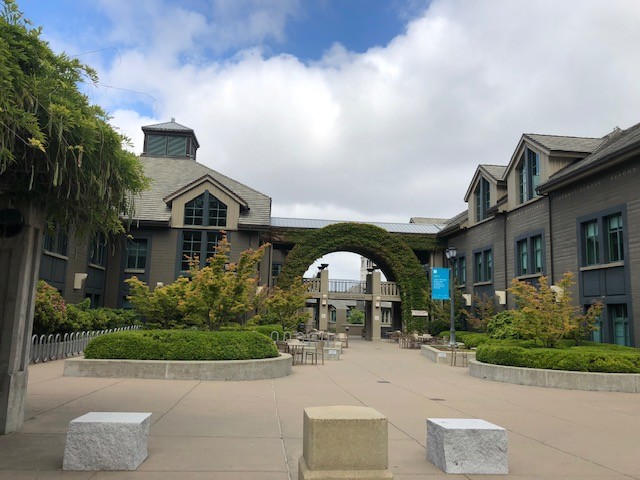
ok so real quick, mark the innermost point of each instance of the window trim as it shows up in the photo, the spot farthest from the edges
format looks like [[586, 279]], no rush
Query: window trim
[[208, 201], [482, 199], [484, 279], [525, 176], [600, 217], [203, 247], [529, 238]]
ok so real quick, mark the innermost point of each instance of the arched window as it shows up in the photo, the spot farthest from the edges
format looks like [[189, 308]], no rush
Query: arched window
[[205, 210]]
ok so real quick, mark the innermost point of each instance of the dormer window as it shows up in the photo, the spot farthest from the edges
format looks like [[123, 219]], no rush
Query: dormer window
[[168, 146], [482, 195], [205, 210], [528, 175]]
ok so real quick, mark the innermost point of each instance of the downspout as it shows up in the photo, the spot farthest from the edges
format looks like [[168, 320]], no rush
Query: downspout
[[504, 247], [550, 241]]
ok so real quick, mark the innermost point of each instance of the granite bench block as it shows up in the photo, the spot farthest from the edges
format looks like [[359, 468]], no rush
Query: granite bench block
[[107, 441], [467, 445]]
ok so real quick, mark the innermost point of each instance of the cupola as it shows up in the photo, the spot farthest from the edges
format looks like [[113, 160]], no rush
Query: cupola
[[169, 139]]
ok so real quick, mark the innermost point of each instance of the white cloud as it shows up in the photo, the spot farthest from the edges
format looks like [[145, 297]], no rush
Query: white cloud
[[396, 131]]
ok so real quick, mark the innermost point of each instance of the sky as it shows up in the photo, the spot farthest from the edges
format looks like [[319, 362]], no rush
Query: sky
[[377, 110]]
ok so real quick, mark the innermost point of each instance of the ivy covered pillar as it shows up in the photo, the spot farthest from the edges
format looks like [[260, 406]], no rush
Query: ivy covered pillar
[[21, 234]]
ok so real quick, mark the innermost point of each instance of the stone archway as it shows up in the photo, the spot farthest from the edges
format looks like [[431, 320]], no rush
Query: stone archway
[[394, 257]]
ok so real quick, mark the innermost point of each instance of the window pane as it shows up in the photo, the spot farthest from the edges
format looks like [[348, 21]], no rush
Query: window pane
[[488, 258], [217, 212], [596, 335], [522, 182], [487, 196], [618, 315], [478, 269], [537, 253], [523, 257], [191, 243], [478, 204], [463, 270], [212, 243], [534, 171], [137, 254], [614, 238], [194, 211], [591, 243]]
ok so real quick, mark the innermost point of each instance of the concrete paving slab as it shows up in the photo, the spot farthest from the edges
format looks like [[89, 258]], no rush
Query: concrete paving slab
[[553, 433]]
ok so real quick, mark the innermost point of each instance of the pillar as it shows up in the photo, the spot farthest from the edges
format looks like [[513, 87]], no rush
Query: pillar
[[19, 267], [323, 310], [373, 314]]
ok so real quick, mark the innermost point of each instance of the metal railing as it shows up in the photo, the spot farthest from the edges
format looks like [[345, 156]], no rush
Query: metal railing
[[45, 348], [347, 286]]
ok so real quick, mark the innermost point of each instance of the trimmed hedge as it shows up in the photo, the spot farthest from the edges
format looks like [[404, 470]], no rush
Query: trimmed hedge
[[472, 339], [181, 345], [590, 358], [263, 329]]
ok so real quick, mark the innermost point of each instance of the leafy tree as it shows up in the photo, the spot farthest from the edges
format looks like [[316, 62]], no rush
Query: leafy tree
[[56, 149], [284, 306], [161, 307], [545, 316], [356, 317], [221, 292], [485, 309]]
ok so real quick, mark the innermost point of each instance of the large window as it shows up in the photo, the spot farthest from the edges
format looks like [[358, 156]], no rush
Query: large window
[[205, 210], [529, 255], [56, 241], [528, 175], [137, 254], [97, 250], [460, 270], [482, 196], [200, 244], [483, 266], [602, 239]]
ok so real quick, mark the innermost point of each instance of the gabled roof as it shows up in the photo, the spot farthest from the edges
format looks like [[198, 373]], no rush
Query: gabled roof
[[170, 175], [490, 172], [171, 127], [560, 143], [616, 147], [205, 178], [455, 223]]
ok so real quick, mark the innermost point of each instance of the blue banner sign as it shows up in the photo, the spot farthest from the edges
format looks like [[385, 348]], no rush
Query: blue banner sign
[[440, 283]]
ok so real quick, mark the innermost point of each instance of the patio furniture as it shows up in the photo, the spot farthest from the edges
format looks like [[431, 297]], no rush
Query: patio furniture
[[315, 352], [344, 338]]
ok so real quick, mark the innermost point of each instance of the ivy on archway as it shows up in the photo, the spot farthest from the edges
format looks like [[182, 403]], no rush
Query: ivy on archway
[[394, 257]]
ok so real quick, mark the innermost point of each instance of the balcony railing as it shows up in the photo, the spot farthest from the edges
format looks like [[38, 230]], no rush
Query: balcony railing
[[355, 287]]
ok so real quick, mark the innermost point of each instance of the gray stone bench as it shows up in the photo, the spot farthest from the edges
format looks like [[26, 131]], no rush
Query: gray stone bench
[[107, 441], [467, 445]]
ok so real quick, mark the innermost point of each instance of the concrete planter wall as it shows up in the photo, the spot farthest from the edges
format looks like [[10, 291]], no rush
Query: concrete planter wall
[[601, 382], [181, 370], [441, 356]]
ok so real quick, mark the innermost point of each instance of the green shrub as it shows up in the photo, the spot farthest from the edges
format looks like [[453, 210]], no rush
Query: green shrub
[[268, 329], [472, 339], [436, 327], [502, 325], [591, 358], [181, 345], [82, 318], [50, 309]]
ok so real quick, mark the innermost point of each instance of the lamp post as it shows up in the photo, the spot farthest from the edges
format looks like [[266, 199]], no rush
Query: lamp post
[[451, 253]]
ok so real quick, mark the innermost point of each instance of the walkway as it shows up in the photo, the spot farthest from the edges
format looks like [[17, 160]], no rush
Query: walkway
[[253, 430]]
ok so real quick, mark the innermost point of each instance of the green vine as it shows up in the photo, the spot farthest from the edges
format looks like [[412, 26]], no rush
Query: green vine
[[394, 257]]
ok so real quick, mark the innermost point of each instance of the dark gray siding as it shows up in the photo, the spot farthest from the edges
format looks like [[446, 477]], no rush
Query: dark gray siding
[[612, 189]]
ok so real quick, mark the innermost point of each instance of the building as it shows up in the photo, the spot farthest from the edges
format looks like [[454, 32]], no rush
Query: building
[[560, 204]]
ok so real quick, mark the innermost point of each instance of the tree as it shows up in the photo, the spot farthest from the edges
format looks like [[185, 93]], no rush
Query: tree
[[61, 162], [160, 307], [284, 306], [546, 316], [356, 317], [56, 149], [485, 309]]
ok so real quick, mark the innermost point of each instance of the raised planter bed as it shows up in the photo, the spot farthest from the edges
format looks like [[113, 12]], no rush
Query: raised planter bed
[[594, 381], [443, 357], [259, 369]]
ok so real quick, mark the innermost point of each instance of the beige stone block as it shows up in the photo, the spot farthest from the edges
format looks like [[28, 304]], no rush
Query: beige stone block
[[344, 442]]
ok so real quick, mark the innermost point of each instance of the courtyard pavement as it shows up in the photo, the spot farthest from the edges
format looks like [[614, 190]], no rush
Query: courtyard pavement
[[253, 430]]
